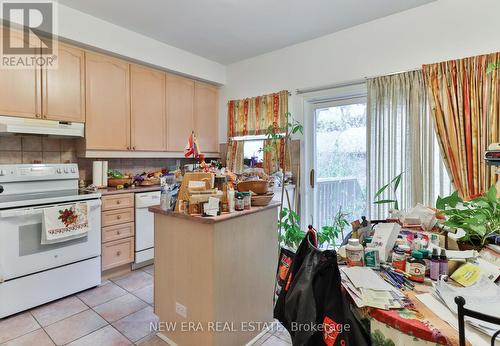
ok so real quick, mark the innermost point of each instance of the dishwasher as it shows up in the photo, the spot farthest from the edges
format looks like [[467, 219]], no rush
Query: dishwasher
[[144, 227]]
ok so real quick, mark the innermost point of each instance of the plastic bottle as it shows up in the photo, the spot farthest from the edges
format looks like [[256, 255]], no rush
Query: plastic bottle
[[354, 253], [415, 266], [372, 255], [398, 259], [427, 260], [443, 263], [435, 265]]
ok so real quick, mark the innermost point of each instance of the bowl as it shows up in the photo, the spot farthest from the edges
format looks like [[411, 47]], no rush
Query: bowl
[[262, 200], [260, 187], [112, 182]]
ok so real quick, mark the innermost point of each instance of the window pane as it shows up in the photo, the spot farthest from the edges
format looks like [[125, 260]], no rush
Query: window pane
[[340, 162]]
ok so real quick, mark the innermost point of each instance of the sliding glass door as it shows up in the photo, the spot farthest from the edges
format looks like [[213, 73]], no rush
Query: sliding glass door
[[339, 157]]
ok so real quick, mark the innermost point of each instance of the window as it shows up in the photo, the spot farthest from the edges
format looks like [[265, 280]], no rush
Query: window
[[340, 156]]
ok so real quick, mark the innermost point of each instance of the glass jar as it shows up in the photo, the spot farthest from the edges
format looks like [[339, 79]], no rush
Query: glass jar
[[239, 203], [247, 200]]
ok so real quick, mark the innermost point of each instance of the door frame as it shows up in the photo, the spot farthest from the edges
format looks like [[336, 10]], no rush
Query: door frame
[[311, 101]]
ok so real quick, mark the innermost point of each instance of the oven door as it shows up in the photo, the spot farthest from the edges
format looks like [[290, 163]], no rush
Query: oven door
[[21, 251]]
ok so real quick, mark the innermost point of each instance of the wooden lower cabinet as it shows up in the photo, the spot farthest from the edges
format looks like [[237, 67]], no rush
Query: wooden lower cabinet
[[118, 252], [117, 232]]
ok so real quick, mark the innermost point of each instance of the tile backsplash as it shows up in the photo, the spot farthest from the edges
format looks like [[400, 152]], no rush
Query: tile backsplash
[[37, 149]]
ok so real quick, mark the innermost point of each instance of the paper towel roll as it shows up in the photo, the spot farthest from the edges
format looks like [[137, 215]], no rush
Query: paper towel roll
[[104, 173], [97, 173]]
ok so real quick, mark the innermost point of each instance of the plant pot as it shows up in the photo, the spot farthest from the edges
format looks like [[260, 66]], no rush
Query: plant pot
[[464, 246]]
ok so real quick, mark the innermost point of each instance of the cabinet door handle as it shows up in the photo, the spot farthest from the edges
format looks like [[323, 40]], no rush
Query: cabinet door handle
[[118, 217], [133, 148], [311, 178], [118, 202], [118, 232], [118, 253]]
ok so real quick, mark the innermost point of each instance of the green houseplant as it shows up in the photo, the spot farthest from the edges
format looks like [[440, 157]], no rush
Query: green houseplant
[[328, 234], [290, 233], [392, 185], [479, 217]]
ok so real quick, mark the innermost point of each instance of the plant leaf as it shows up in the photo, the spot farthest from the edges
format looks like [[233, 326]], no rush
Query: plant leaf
[[385, 201], [381, 190]]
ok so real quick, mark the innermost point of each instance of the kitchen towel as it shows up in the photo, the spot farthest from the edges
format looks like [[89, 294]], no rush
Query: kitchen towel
[[64, 222], [97, 173]]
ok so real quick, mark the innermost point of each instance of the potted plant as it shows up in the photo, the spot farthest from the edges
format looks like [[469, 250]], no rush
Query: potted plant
[[328, 235], [479, 217], [290, 234]]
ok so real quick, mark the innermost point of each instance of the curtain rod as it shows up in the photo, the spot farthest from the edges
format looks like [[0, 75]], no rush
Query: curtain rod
[[348, 83]]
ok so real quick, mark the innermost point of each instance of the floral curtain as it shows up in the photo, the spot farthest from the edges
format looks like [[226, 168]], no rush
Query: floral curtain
[[274, 158], [234, 159], [465, 103], [252, 116]]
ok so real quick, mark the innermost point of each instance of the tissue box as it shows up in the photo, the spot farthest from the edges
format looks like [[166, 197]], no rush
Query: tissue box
[[384, 238]]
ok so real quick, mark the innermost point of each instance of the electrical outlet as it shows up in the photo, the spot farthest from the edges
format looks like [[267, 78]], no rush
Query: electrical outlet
[[180, 310]]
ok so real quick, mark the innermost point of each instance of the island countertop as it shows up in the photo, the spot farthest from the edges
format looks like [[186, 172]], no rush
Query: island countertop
[[213, 219]]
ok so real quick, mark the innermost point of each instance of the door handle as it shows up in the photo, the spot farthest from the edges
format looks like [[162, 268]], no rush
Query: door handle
[[311, 178]]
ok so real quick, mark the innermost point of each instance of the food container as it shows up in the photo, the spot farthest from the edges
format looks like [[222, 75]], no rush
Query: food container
[[247, 200], [260, 187], [112, 182], [262, 200]]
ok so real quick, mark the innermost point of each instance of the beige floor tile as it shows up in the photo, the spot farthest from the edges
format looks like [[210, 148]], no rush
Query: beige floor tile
[[107, 336], [120, 307], [152, 340], [275, 341], [134, 281], [261, 340], [149, 269], [145, 293], [58, 310], [17, 325], [75, 327], [137, 325], [101, 294], [37, 337]]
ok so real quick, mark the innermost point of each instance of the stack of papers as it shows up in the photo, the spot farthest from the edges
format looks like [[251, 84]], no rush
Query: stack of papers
[[367, 288], [482, 296]]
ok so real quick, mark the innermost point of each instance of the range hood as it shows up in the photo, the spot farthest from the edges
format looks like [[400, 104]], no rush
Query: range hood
[[12, 125]]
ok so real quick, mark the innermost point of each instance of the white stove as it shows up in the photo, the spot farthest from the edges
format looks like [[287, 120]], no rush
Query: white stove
[[31, 273]]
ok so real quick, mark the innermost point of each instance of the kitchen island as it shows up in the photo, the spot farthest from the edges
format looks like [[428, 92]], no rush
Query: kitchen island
[[214, 276]]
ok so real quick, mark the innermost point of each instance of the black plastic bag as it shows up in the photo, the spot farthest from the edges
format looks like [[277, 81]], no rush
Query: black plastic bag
[[311, 305]]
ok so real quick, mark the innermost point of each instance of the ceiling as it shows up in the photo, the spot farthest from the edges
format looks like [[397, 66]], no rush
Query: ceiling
[[227, 31]]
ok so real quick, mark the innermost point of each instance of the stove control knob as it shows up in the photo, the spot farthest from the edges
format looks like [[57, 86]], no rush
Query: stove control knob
[[1, 188], [73, 170], [66, 170], [59, 171], [3, 172]]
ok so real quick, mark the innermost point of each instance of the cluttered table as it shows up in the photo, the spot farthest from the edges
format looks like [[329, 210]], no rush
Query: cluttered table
[[405, 306]]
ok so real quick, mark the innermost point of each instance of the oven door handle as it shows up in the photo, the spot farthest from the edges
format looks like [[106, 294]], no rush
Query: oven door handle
[[38, 210]]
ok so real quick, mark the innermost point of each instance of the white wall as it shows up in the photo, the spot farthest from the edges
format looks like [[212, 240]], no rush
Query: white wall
[[442, 30], [89, 30]]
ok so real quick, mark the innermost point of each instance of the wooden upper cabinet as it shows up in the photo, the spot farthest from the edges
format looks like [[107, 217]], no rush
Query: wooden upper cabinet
[[63, 96], [107, 103], [180, 111], [147, 109], [206, 99], [20, 94]]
